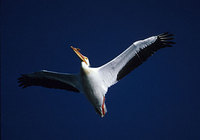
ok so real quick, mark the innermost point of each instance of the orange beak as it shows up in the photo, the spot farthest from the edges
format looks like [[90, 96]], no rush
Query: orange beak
[[76, 50]]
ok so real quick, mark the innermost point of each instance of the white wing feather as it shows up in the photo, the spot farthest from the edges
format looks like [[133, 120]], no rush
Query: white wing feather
[[132, 57]]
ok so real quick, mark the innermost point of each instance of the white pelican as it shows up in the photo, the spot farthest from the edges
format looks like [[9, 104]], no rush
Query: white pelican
[[94, 82]]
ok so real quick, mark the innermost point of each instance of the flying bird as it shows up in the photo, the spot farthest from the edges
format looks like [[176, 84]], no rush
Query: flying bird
[[95, 81]]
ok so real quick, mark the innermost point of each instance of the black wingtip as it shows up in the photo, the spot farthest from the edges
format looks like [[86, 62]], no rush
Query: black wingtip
[[22, 81], [166, 39], [166, 34]]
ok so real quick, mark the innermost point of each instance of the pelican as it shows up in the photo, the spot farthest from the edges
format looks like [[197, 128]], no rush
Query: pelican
[[95, 81]]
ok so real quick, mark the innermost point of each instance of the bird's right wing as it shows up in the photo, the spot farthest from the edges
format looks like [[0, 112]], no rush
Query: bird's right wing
[[51, 80]]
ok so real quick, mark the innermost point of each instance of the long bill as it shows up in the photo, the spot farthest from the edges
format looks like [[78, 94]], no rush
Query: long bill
[[76, 50]]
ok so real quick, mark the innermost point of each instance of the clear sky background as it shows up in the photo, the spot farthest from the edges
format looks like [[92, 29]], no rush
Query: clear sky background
[[157, 101]]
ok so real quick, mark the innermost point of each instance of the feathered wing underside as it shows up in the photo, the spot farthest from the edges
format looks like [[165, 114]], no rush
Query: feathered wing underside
[[132, 57], [50, 79]]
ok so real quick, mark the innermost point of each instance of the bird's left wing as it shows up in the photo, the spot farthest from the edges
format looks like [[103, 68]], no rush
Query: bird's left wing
[[51, 80], [132, 57]]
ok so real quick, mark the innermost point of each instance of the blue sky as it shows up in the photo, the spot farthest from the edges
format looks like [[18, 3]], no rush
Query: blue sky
[[158, 100]]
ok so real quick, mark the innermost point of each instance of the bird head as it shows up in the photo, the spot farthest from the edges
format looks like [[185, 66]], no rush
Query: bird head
[[82, 57]]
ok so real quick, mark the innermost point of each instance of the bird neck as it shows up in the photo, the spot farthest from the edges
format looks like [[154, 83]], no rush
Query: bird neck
[[84, 65], [85, 69]]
